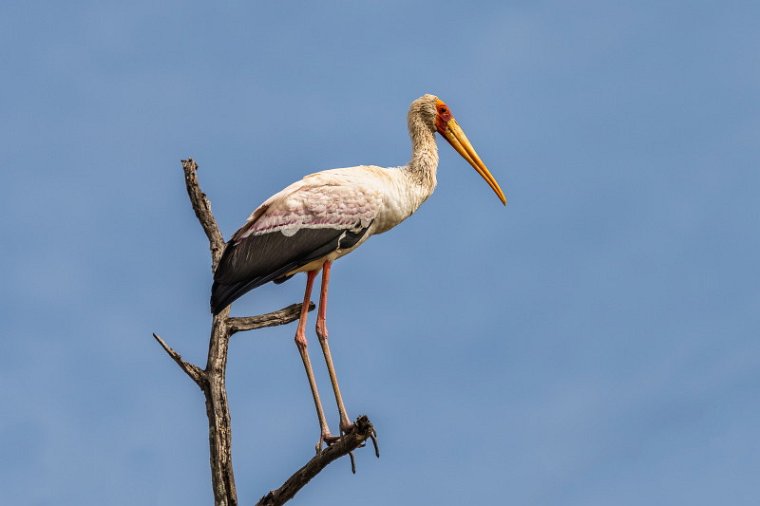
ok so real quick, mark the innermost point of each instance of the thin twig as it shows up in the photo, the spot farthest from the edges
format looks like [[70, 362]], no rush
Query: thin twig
[[196, 373], [279, 317], [354, 439]]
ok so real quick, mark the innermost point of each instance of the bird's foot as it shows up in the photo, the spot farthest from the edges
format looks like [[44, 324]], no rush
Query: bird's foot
[[346, 426], [330, 439], [327, 439]]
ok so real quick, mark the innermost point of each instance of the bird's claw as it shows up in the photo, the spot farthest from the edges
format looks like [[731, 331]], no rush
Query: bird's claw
[[330, 439], [327, 439], [346, 427]]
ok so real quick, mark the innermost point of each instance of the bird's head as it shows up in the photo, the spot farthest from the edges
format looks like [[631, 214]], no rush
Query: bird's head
[[436, 116]]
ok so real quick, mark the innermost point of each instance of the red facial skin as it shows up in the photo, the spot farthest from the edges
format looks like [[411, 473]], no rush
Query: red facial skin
[[442, 116]]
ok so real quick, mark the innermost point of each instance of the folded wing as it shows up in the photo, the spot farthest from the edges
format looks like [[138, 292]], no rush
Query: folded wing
[[306, 222]]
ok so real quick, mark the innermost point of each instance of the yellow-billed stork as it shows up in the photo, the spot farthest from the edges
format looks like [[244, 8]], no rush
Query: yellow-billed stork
[[326, 215]]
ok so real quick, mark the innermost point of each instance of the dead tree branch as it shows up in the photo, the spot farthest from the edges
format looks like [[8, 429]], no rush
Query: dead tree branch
[[362, 431], [202, 208], [196, 373], [212, 378], [281, 317]]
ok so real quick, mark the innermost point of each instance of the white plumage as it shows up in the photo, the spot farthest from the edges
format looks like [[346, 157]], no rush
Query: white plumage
[[367, 196]]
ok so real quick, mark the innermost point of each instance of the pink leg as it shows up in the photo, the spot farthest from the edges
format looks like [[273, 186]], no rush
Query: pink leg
[[301, 343], [345, 422]]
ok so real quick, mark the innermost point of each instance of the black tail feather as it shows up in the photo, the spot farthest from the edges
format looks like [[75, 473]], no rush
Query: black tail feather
[[222, 295]]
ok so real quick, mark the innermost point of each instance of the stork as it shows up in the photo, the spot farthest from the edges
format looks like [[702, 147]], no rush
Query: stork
[[328, 214]]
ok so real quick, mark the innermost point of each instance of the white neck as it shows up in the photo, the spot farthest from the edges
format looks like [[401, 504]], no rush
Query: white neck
[[424, 163]]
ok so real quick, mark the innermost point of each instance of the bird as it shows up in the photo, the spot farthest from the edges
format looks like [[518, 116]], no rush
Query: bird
[[328, 214]]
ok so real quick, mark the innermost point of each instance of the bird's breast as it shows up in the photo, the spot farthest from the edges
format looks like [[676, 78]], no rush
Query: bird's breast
[[402, 196]]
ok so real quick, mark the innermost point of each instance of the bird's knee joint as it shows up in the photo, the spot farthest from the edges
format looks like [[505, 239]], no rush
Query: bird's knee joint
[[300, 341], [322, 332]]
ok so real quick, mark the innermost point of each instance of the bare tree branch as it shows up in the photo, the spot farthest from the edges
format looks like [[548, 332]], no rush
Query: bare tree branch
[[196, 373], [202, 208], [362, 431], [215, 390], [280, 317]]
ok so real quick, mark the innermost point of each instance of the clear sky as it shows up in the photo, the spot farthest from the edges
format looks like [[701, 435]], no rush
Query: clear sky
[[595, 342]]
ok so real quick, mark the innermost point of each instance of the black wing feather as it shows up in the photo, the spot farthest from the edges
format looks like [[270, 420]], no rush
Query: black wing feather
[[259, 259]]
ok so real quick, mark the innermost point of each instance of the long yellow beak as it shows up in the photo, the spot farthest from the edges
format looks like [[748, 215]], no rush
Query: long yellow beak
[[459, 141]]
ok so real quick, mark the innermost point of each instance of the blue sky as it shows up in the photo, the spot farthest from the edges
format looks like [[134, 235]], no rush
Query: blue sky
[[595, 342]]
